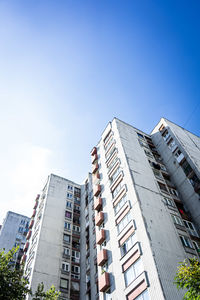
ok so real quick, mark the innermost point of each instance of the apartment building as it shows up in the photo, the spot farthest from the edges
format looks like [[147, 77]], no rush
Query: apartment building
[[13, 233], [123, 231], [143, 227], [52, 251]]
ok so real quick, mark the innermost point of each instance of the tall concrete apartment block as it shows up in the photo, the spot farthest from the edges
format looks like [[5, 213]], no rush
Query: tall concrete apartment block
[[147, 209], [121, 234], [53, 241], [13, 233]]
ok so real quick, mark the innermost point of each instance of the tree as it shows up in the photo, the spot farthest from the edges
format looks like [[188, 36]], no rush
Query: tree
[[188, 277], [13, 285], [51, 294]]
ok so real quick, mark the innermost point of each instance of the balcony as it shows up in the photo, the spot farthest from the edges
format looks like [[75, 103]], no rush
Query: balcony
[[97, 190], [23, 259], [98, 204], [102, 257], [29, 234], [94, 158], [34, 213], [101, 236], [104, 282], [94, 151], [99, 218], [26, 246], [95, 168], [36, 204], [31, 224]]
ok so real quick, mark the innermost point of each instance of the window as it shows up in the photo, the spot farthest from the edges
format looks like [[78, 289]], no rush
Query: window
[[70, 188], [69, 204], [169, 202], [177, 154], [147, 152], [171, 144], [77, 192], [162, 187], [66, 251], [196, 246], [194, 180], [66, 238], [65, 266], [165, 135], [22, 222], [173, 192], [68, 214], [67, 226], [69, 196], [177, 220], [20, 229], [186, 241], [186, 168], [128, 244], [75, 269], [133, 271], [120, 204], [76, 228], [190, 228], [143, 296], [64, 283], [76, 254], [116, 190], [140, 135], [115, 175], [124, 222]]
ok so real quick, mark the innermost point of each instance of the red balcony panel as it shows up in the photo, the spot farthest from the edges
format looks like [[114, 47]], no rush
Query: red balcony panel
[[102, 257], [36, 204], [23, 259], [29, 234], [31, 224], [97, 190], [141, 287], [94, 157], [26, 246], [95, 168], [104, 282], [38, 196], [101, 236], [98, 204], [99, 218], [94, 151], [34, 213], [97, 175]]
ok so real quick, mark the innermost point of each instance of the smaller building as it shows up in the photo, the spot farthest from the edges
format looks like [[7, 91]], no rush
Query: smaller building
[[13, 233]]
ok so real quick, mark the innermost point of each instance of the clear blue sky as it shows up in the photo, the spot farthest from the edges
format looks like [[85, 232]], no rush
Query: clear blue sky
[[69, 67]]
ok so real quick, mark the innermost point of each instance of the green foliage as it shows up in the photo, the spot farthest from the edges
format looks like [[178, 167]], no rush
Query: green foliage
[[188, 277], [13, 286], [51, 294]]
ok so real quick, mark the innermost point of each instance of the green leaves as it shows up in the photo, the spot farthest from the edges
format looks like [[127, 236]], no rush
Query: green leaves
[[13, 285], [188, 277]]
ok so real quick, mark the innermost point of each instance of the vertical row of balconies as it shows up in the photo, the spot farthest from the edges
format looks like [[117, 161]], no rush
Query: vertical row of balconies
[[29, 233], [103, 282]]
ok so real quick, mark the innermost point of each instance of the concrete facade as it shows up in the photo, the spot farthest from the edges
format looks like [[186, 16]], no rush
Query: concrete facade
[[138, 218], [53, 255], [13, 233]]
